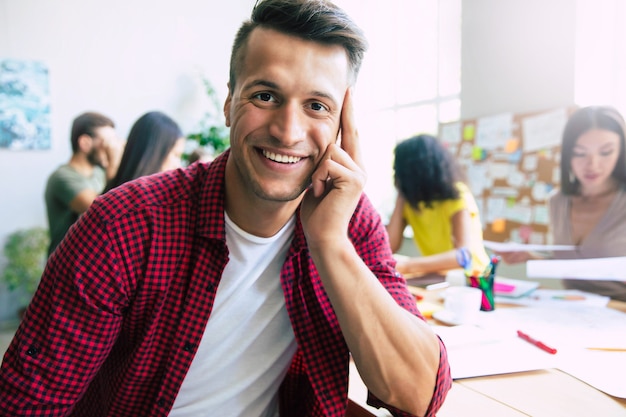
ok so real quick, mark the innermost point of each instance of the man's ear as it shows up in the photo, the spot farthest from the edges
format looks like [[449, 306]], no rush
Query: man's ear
[[84, 142], [227, 106]]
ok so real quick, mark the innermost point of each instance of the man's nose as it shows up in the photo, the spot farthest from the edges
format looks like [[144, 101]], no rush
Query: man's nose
[[289, 124]]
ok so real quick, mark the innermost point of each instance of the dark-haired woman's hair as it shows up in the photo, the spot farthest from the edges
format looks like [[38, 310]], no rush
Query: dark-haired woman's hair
[[150, 140], [580, 122], [315, 20], [425, 171]]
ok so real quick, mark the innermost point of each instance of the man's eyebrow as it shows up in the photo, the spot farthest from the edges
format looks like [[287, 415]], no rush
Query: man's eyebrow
[[272, 85], [262, 83]]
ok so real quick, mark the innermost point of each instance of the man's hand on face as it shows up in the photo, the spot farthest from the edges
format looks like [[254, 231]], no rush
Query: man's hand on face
[[337, 184]]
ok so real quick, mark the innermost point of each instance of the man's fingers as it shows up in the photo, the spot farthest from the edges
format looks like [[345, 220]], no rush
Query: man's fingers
[[349, 133]]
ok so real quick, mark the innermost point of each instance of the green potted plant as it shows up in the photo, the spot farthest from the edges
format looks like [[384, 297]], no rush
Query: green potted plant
[[211, 133], [25, 251]]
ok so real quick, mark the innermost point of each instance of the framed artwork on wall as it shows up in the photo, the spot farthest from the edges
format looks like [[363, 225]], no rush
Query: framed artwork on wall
[[24, 105]]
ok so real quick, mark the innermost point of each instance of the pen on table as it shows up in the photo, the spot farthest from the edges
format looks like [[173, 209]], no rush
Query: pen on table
[[608, 349], [537, 343]]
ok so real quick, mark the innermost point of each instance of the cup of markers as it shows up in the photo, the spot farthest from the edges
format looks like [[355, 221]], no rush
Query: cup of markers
[[485, 282]]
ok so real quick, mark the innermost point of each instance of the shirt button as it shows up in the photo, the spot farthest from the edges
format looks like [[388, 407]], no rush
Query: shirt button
[[188, 347], [32, 351], [161, 402]]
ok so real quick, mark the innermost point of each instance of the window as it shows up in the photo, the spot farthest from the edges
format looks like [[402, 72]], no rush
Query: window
[[409, 82]]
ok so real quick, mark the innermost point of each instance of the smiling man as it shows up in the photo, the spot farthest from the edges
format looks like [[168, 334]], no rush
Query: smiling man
[[244, 286]]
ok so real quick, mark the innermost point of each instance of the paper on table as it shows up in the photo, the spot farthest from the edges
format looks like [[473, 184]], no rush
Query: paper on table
[[551, 297], [474, 351], [603, 370], [519, 247], [492, 347], [611, 269]]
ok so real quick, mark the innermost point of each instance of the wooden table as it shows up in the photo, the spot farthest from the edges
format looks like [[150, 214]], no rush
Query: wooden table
[[548, 392]]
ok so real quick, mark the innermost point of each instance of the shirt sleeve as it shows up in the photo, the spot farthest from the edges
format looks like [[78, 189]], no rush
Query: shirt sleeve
[[442, 386], [69, 327]]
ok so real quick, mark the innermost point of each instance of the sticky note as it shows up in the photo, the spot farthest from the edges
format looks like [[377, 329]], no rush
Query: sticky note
[[498, 225], [511, 145], [510, 202], [469, 132], [524, 232], [478, 153]]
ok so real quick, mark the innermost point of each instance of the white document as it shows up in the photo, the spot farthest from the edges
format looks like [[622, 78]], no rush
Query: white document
[[544, 130], [602, 370], [611, 269], [522, 247], [474, 351]]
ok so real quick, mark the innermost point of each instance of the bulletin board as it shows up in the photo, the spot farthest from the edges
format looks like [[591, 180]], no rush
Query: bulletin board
[[512, 163]]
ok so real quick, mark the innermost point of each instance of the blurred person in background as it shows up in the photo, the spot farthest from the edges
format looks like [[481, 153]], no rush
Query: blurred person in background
[[439, 207], [155, 144], [589, 209], [73, 186]]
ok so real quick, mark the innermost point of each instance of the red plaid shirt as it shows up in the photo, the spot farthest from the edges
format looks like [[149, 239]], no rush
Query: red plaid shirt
[[124, 300]]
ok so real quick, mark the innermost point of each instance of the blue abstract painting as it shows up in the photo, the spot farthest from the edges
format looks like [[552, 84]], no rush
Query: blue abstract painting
[[24, 105]]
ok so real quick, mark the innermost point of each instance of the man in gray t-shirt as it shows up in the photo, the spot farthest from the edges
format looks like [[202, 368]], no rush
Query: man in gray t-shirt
[[71, 188]]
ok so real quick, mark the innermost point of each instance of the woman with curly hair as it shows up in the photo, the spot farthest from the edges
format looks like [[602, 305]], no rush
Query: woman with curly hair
[[434, 200]]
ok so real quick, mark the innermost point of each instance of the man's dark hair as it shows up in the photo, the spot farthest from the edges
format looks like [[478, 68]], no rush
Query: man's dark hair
[[425, 171], [86, 124], [315, 20]]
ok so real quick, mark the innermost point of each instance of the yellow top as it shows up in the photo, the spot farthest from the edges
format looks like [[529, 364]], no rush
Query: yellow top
[[432, 227]]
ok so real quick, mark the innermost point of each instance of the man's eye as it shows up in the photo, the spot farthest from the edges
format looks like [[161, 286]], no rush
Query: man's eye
[[318, 107], [264, 96]]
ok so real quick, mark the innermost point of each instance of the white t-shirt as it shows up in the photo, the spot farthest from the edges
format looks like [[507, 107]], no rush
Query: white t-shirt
[[248, 343]]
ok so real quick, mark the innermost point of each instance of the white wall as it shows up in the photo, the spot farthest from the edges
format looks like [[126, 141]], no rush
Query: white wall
[[117, 57], [517, 56]]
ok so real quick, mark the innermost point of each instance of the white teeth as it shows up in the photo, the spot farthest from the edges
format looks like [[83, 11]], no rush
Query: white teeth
[[284, 159]]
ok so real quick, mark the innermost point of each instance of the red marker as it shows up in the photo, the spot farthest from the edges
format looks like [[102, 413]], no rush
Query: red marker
[[537, 343]]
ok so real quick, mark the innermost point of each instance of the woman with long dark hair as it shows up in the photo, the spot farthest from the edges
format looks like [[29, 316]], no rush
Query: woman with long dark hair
[[155, 143], [589, 209]]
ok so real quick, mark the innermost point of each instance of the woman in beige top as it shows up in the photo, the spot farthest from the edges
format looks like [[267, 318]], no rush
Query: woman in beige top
[[589, 210]]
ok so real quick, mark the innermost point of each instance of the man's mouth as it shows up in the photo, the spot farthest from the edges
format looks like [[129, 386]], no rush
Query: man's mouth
[[283, 159]]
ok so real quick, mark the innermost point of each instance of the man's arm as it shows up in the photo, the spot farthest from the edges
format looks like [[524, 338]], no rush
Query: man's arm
[[397, 353], [83, 200], [444, 261]]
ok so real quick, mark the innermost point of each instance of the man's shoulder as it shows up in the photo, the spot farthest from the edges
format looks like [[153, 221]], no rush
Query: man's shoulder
[[171, 190]]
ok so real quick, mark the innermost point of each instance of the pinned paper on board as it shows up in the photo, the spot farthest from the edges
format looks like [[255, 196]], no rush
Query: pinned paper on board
[[510, 202], [493, 131], [478, 153], [540, 215], [498, 225], [544, 130], [450, 133], [468, 132], [515, 157], [511, 180], [511, 145], [525, 232]]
